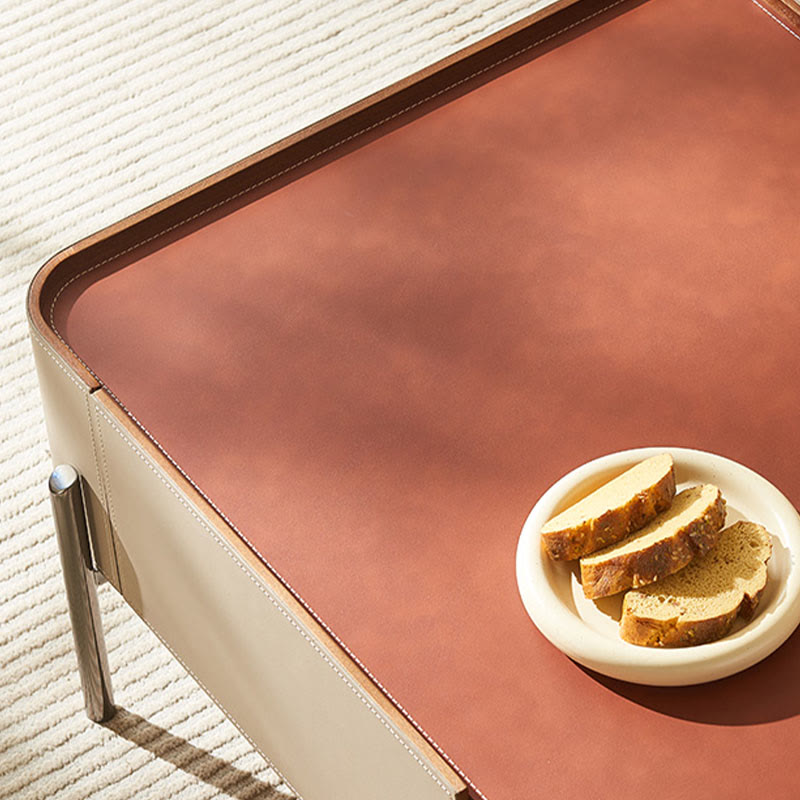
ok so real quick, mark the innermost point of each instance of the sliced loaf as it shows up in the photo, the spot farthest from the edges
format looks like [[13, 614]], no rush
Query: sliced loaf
[[690, 527], [613, 511], [700, 603]]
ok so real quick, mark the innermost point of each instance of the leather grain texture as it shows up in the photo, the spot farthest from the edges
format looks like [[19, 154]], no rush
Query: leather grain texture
[[376, 366]]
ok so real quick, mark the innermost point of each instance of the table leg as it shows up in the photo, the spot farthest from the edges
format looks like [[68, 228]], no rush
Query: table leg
[[79, 579]]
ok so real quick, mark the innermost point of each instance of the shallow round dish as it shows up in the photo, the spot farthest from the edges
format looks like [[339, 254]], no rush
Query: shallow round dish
[[588, 631]]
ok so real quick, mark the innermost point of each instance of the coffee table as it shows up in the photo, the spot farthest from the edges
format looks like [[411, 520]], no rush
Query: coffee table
[[309, 401]]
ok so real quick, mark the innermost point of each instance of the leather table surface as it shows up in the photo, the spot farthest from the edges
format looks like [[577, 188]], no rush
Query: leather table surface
[[376, 369]]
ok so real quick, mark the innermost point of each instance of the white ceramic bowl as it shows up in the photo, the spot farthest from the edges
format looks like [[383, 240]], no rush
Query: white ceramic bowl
[[588, 631]]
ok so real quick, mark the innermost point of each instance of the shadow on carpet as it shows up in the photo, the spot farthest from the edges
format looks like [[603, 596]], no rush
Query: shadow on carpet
[[214, 771]]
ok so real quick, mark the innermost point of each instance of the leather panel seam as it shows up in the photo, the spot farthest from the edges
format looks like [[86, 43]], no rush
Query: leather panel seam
[[101, 483], [221, 706], [302, 601], [109, 500], [80, 386], [365, 700], [46, 349], [316, 155], [294, 593], [234, 196], [780, 22]]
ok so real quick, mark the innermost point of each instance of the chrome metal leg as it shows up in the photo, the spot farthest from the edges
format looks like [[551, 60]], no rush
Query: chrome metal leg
[[87, 629]]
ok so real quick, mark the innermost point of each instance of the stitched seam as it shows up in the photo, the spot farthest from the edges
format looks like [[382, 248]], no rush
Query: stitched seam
[[780, 22], [100, 483], [319, 153], [305, 605], [306, 636], [36, 338], [229, 199], [222, 707], [46, 349], [109, 499], [111, 524], [94, 444], [302, 602]]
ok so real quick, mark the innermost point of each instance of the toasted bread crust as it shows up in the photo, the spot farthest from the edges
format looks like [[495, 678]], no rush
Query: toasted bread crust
[[612, 526], [641, 625], [630, 570], [674, 633]]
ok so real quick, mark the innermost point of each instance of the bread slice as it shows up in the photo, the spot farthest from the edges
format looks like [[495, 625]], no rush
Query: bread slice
[[689, 528], [611, 512], [700, 603]]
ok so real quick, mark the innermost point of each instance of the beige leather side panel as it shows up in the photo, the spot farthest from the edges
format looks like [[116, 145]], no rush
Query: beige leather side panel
[[72, 439], [282, 686]]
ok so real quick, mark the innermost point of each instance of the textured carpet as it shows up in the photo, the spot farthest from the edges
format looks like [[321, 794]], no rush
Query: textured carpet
[[106, 107]]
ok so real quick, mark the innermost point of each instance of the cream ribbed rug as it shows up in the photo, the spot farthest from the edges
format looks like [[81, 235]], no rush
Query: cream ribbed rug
[[106, 107]]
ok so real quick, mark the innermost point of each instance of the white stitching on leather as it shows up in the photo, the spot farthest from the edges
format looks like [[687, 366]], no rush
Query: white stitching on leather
[[297, 596], [94, 443], [227, 200], [46, 349], [279, 606], [277, 574], [781, 23], [319, 153], [222, 707], [84, 391], [101, 486], [109, 499], [106, 486]]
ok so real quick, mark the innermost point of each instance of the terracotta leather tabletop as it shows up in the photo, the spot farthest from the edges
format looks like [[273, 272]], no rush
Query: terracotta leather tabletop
[[376, 368]]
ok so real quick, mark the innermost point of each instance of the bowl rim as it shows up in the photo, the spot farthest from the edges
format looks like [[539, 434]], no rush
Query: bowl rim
[[646, 665]]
